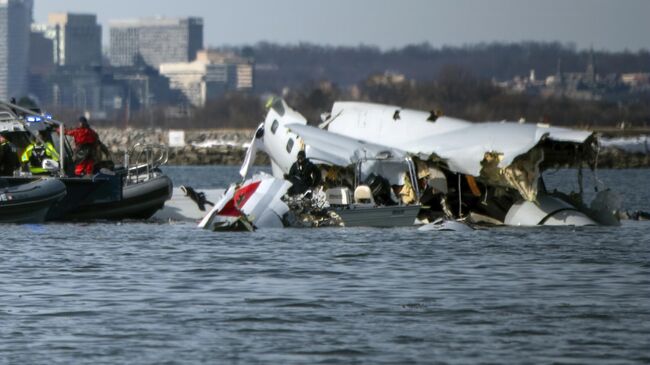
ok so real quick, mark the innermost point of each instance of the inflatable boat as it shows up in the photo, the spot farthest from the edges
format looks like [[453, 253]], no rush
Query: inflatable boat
[[28, 202], [113, 200], [134, 189]]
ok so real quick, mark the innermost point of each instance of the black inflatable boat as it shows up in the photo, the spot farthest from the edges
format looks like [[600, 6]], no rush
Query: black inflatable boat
[[135, 189], [28, 202], [134, 201]]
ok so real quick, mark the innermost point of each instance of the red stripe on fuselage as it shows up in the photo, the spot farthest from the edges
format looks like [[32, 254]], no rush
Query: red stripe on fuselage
[[242, 195]]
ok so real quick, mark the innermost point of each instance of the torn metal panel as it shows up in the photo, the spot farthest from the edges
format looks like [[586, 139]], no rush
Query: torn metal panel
[[523, 174], [464, 149], [257, 201], [503, 154], [461, 144], [256, 145]]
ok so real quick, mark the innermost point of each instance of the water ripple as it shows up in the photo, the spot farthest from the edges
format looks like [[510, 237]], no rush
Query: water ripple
[[159, 293]]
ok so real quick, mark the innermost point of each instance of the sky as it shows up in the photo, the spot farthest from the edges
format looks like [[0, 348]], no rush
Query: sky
[[612, 25]]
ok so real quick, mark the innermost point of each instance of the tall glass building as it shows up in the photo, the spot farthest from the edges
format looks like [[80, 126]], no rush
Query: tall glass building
[[155, 41], [77, 39], [15, 24]]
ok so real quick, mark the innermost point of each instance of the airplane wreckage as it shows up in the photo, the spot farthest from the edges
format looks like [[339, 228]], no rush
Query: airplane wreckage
[[384, 166]]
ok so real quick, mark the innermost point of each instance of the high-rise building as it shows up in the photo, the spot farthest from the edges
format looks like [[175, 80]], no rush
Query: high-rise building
[[41, 50], [15, 20], [155, 41], [77, 39], [41, 63]]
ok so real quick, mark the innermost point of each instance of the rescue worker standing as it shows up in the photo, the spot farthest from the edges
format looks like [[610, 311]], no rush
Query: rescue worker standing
[[304, 175], [85, 141], [36, 153], [8, 157]]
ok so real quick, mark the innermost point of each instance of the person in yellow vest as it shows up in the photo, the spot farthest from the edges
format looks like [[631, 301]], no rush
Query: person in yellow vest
[[406, 191], [36, 153]]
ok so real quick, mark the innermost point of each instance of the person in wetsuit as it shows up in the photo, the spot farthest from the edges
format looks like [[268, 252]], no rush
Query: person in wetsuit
[[304, 175], [86, 141]]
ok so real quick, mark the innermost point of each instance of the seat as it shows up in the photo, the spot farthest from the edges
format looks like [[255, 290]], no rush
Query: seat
[[363, 195]]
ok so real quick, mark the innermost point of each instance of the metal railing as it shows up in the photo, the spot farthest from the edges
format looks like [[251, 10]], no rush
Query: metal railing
[[142, 161], [411, 169]]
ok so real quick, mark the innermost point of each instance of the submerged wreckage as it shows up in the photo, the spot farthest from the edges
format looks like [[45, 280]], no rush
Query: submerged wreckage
[[385, 166]]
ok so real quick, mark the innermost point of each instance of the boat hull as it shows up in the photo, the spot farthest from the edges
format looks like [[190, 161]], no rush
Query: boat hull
[[29, 202], [138, 201], [382, 217]]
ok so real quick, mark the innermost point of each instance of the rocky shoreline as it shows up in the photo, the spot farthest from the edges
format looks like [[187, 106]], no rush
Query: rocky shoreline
[[228, 147], [202, 147]]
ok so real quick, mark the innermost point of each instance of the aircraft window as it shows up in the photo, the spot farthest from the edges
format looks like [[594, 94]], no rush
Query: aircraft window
[[274, 126], [290, 145]]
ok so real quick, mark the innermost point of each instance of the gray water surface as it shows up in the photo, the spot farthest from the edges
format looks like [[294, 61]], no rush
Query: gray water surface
[[170, 293]]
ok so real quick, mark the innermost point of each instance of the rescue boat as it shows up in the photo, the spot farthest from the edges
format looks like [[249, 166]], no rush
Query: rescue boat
[[134, 189], [28, 202]]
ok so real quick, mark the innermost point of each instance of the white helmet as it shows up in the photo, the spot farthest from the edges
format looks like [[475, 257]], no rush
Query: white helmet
[[50, 165]]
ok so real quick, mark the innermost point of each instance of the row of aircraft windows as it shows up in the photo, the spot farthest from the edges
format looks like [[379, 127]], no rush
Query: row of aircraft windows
[[290, 143]]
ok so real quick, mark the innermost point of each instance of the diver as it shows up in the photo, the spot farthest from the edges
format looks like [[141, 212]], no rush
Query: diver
[[304, 175], [36, 153], [86, 143], [9, 161]]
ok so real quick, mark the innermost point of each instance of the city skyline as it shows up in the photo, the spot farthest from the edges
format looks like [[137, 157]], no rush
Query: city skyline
[[605, 25]]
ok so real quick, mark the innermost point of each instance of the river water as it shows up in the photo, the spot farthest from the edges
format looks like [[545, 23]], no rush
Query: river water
[[169, 293]]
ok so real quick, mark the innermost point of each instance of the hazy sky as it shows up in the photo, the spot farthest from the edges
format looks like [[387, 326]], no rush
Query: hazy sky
[[611, 25]]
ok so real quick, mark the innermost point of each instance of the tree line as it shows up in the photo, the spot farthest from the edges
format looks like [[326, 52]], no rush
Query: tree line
[[456, 91], [281, 66], [456, 80]]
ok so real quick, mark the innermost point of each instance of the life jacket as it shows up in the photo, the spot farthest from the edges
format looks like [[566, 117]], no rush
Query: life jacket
[[36, 153]]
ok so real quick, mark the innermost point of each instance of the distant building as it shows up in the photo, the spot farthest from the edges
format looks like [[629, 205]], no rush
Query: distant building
[[106, 92], [155, 41], [41, 63], [587, 85], [77, 39], [241, 74], [145, 87], [15, 20], [67, 43], [212, 74], [77, 88], [197, 81], [637, 80], [41, 50], [387, 78]]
